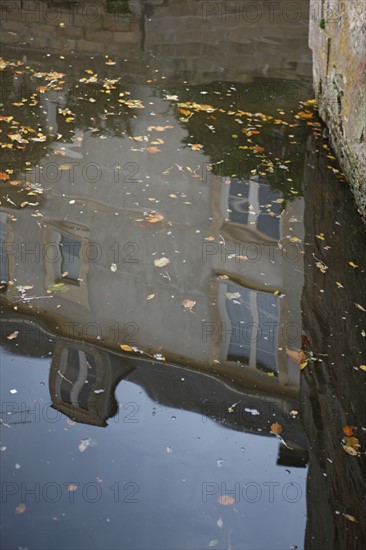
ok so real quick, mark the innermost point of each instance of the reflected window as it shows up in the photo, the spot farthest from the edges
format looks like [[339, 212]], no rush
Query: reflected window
[[247, 200], [254, 318], [77, 377], [70, 254]]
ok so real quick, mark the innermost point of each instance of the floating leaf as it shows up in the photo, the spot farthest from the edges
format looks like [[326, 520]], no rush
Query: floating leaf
[[20, 509], [154, 217], [159, 128], [161, 262], [188, 304], [125, 347], [226, 500], [58, 287], [232, 295], [350, 518], [348, 430], [276, 428]]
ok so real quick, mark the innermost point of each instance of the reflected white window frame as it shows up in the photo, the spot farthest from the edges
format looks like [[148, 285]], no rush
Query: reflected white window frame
[[77, 291]]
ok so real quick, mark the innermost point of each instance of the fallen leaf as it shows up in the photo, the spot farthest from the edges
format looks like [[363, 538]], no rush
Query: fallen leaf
[[13, 335], [352, 264], [114, 268], [161, 262], [20, 509], [150, 297], [360, 307], [304, 115], [233, 295], [72, 488], [350, 518], [226, 500], [110, 62], [349, 450], [4, 176], [363, 367], [153, 150], [188, 304], [125, 347], [213, 543], [348, 430], [196, 147], [154, 217], [276, 428], [159, 128]]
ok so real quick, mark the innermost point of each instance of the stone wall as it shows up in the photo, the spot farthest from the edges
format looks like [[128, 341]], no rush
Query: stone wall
[[333, 391], [80, 27], [338, 41]]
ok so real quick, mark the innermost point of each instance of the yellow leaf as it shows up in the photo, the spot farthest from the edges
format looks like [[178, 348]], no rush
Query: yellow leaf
[[303, 365], [125, 347], [150, 297], [363, 367], [350, 450], [353, 265]]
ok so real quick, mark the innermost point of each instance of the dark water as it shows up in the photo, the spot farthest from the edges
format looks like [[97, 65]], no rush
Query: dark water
[[187, 207]]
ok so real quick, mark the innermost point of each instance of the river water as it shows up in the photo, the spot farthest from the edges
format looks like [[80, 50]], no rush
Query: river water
[[182, 293]]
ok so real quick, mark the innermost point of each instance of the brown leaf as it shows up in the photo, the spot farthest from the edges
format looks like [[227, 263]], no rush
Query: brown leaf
[[4, 176], [20, 509], [153, 150], [72, 488], [188, 304], [226, 500], [154, 217], [13, 335], [348, 430], [276, 428]]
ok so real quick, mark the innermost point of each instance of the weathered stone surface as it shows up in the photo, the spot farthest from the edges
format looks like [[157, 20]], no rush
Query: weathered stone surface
[[338, 41]]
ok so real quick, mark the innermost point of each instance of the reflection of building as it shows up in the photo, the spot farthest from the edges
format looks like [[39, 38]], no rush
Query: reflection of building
[[83, 380]]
